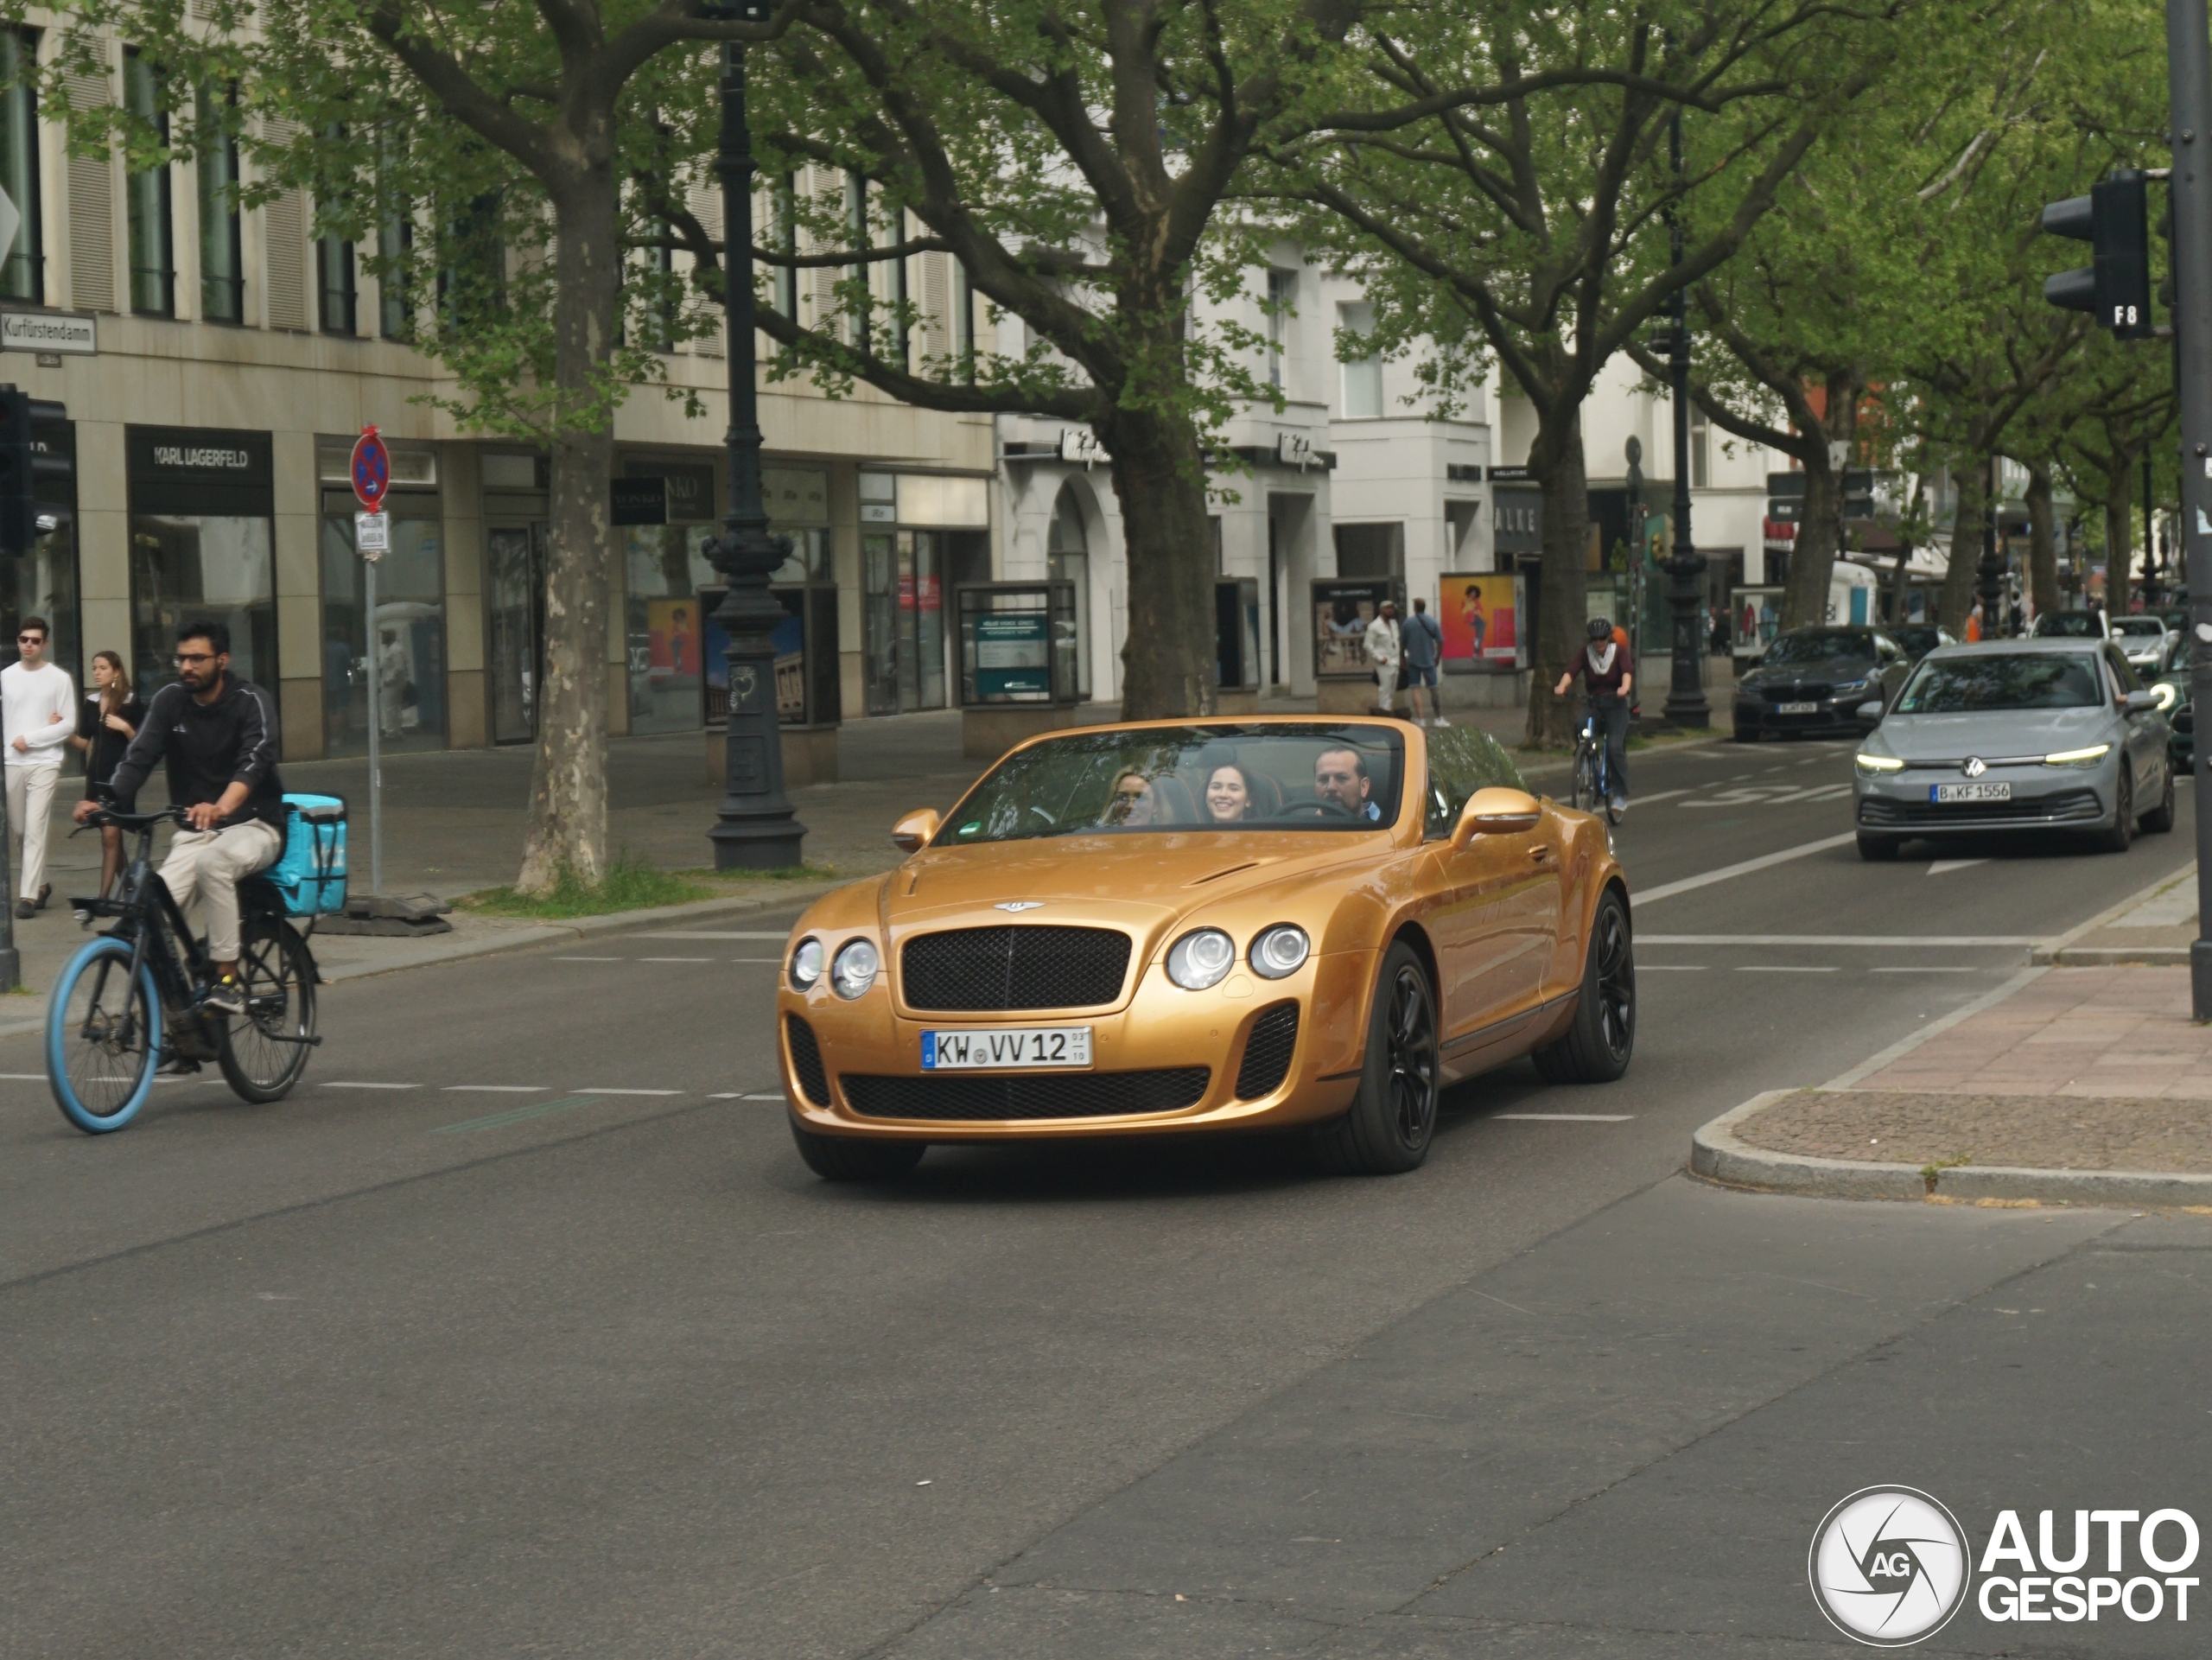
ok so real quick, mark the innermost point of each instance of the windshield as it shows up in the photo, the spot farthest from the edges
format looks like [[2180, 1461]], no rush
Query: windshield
[[2180, 661], [1321, 776], [1821, 645], [2146, 625], [1919, 637], [2022, 680], [2068, 625]]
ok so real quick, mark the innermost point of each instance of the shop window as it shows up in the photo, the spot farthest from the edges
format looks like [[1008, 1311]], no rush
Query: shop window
[[665, 568], [333, 264], [222, 263], [44, 583], [1370, 550], [411, 633], [153, 248], [22, 274], [196, 567]]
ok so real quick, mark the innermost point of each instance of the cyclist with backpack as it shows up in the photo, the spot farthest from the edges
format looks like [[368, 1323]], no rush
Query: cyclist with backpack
[[218, 734], [1608, 678]]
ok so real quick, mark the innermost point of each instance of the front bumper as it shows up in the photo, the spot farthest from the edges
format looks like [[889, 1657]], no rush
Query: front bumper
[[1167, 1060], [1834, 717], [2043, 797]]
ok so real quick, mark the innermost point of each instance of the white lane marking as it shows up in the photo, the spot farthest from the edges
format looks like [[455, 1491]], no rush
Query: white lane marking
[[1569, 1118], [626, 1091], [1783, 968], [26, 1078], [496, 1089], [1946, 970], [676, 959], [1765, 861], [725, 1095], [1936, 941], [351, 1083], [1662, 795], [777, 1097], [1769, 795], [673, 933], [590, 959], [1939, 865], [1670, 968]]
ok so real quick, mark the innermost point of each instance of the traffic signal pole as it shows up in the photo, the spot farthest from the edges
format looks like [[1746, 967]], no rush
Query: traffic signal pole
[[2189, 82]]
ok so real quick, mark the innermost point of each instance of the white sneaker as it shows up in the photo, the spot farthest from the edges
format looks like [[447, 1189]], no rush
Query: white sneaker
[[1440, 720], [1620, 804]]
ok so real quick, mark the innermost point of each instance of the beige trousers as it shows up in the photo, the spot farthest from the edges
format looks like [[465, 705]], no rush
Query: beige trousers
[[30, 802], [208, 863]]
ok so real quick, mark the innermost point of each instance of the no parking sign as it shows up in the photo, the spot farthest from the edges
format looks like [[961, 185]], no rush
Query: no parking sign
[[372, 469]]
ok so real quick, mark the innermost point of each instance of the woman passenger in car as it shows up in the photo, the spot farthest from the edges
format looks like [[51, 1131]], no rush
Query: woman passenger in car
[[1230, 794], [1133, 803]]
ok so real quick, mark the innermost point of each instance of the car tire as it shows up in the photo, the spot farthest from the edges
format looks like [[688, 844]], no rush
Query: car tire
[[2160, 819], [2121, 835], [1878, 849], [1597, 1045], [1393, 1119], [849, 1157]]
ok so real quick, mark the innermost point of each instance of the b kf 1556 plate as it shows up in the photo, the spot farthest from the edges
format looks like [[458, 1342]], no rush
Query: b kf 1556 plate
[[1948, 792], [1026, 1047]]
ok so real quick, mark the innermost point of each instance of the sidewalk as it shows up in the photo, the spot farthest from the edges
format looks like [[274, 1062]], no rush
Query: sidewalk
[[2156, 929], [2080, 1085]]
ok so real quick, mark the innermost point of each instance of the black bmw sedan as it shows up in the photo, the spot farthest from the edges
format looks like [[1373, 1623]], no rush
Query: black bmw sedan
[[1814, 679]]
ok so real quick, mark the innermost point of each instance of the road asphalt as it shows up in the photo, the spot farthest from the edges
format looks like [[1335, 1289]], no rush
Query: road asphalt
[[522, 1330]]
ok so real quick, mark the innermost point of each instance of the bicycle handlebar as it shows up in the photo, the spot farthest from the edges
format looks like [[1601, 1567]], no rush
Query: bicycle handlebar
[[135, 820]]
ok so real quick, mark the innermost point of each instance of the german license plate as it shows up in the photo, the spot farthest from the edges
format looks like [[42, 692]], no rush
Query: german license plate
[[1796, 708], [1007, 1046], [1944, 793]]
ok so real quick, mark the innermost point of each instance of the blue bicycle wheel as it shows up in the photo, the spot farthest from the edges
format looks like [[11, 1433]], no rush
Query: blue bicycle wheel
[[103, 1037]]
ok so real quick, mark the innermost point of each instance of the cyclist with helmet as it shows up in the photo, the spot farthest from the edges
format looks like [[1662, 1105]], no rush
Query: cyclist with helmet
[[1608, 678]]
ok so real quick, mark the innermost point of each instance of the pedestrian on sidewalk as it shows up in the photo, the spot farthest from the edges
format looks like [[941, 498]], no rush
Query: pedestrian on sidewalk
[[107, 720], [1423, 643], [37, 720], [1385, 651]]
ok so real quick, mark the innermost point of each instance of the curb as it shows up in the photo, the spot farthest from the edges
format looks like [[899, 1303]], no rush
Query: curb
[[1719, 1156], [2062, 952]]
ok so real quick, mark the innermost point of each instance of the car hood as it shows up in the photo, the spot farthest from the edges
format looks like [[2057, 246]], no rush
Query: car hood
[[1990, 735], [1831, 670], [1139, 881]]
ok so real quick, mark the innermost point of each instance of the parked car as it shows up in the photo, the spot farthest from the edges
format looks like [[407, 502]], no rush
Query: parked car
[[1171, 927], [2068, 625], [2016, 735], [1918, 638], [2171, 690], [1816, 680], [2145, 638]]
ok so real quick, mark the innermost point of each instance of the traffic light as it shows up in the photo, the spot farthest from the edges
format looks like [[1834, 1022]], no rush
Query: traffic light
[[23, 462], [2114, 219]]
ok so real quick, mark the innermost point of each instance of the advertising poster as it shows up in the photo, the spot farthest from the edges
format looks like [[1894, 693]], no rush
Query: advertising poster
[[790, 640], [1480, 612], [1343, 607], [672, 636], [1754, 617]]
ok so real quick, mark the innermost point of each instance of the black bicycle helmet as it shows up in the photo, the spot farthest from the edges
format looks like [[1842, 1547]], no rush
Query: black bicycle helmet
[[1600, 628]]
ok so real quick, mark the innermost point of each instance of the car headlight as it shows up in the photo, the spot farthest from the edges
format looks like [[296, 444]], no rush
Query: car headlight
[[2088, 757], [806, 964], [2164, 692], [1280, 950], [1201, 959], [1866, 763], [1848, 687], [854, 969]]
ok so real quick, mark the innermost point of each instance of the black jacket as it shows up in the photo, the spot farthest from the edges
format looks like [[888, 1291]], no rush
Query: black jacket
[[208, 748], [105, 746]]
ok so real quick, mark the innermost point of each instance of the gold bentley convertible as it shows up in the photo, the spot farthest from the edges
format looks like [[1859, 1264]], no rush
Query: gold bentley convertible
[[1205, 926]]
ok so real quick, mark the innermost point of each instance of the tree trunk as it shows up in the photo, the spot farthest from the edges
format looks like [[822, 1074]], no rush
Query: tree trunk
[[1811, 561], [1557, 463], [2119, 532], [1168, 658], [2043, 541], [567, 829], [1967, 528]]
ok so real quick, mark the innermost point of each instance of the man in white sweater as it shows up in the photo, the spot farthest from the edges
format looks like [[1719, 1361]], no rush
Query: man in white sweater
[[38, 709]]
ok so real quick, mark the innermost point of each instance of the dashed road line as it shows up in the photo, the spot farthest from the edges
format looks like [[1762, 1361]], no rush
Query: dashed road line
[[1765, 861], [495, 1089], [676, 959], [357, 1084], [1568, 1117], [1783, 967], [591, 959], [619, 1092], [1928, 971]]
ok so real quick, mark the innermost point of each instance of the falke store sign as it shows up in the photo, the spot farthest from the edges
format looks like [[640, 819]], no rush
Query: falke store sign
[[200, 470]]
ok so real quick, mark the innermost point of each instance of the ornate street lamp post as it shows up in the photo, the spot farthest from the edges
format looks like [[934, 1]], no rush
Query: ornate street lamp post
[[1989, 574], [1686, 704], [754, 828]]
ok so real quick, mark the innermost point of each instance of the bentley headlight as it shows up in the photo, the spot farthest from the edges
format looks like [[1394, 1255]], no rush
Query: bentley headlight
[[1866, 763], [853, 971], [1280, 951], [2089, 757], [1200, 959], [806, 964]]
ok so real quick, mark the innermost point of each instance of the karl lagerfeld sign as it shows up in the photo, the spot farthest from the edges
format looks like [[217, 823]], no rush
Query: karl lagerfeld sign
[[198, 470]]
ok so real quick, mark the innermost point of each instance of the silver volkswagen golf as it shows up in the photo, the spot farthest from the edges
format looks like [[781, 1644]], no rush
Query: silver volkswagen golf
[[2015, 735]]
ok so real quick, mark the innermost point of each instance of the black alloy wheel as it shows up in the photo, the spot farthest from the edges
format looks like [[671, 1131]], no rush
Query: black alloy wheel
[[1393, 1119], [1597, 1045]]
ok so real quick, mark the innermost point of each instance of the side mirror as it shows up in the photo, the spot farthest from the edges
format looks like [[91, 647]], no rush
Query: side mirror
[[1871, 711], [2141, 703], [1497, 811], [912, 833]]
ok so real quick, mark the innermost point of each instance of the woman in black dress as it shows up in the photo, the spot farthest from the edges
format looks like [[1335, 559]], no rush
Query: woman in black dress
[[107, 720]]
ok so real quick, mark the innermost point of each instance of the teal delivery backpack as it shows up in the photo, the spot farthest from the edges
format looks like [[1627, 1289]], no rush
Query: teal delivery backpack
[[311, 873]]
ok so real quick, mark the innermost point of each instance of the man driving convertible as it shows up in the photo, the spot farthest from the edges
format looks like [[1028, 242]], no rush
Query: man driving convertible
[[217, 735]]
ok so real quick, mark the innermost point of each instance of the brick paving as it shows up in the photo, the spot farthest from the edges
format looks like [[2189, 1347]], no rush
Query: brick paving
[[2081, 1069]]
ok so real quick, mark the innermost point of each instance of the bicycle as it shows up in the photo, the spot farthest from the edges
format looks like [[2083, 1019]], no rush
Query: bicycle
[[135, 995], [1593, 784]]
